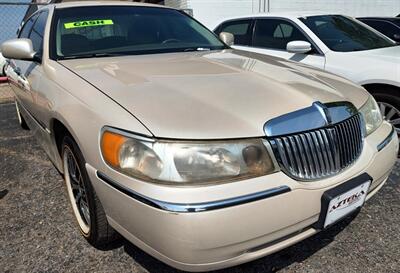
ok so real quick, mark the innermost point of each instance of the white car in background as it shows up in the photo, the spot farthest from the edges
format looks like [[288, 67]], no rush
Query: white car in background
[[3, 63], [336, 43]]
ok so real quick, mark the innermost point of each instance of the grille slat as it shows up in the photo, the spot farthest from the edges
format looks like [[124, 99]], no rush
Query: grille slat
[[289, 151], [314, 154], [306, 165], [351, 142], [320, 153], [300, 167], [308, 155], [335, 148], [329, 150]]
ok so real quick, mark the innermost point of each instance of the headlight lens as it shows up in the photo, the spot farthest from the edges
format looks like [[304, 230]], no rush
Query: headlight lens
[[186, 162], [372, 115]]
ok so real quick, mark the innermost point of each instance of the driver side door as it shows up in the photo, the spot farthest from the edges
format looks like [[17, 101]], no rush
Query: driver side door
[[26, 80]]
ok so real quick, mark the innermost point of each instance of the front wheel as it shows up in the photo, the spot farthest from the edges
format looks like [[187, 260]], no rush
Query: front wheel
[[86, 206]]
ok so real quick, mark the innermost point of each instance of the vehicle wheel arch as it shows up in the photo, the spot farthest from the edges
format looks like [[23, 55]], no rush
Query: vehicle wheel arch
[[59, 130], [102, 236], [374, 88]]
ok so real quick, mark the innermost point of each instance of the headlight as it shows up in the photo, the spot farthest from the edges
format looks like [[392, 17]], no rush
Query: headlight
[[185, 162], [372, 115]]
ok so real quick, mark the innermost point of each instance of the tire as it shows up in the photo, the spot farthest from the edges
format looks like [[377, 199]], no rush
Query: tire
[[390, 108], [21, 119], [86, 206]]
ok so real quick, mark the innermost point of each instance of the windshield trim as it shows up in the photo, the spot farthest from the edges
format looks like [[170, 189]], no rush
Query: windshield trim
[[53, 30], [135, 53]]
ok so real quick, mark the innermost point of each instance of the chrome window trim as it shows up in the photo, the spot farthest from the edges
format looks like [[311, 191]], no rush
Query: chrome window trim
[[192, 207]]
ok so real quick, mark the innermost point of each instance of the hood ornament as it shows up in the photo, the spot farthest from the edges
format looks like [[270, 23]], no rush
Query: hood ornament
[[324, 111]]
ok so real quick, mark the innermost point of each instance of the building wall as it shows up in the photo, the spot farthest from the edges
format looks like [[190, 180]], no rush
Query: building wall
[[349, 7], [179, 4], [210, 12]]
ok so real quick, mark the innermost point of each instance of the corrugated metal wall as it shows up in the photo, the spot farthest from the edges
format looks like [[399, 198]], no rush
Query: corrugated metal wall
[[179, 4], [349, 7], [211, 11]]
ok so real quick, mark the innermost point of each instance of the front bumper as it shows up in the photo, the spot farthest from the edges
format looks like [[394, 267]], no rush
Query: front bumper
[[180, 232]]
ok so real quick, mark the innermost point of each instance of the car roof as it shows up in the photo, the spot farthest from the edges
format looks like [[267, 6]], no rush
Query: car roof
[[282, 14], [71, 4], [288, 15], [391, 19]]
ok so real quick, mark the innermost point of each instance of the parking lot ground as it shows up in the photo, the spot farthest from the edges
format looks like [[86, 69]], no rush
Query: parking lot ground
[[6, 94], [38, 233]]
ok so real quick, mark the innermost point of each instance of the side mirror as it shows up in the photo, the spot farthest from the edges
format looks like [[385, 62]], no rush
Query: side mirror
[[298, 47], [19, 49], [227, 38]]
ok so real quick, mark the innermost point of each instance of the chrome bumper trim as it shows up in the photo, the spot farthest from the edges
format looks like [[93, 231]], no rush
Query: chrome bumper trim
[[195, 207], [387, 140]]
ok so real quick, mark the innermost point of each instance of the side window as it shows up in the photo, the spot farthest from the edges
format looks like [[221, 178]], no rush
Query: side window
[[37, 32], [276, 34], [240, 29], [27, 27]]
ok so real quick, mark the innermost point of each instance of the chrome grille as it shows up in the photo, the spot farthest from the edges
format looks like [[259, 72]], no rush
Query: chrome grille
[[320, 153]]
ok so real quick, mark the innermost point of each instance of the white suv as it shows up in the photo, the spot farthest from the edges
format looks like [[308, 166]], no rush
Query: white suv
[[336, 43]]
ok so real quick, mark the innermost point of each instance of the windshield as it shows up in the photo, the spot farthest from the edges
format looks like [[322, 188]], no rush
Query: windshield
[[127, 30], [343, 34]]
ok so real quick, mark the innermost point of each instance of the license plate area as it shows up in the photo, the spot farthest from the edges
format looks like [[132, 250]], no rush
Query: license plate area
[[343, 200]]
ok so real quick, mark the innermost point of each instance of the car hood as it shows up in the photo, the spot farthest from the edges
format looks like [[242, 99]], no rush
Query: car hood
[[387, 54], [211, 95]]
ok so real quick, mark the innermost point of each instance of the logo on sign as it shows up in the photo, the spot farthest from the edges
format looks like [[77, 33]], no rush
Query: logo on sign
[[348, 201]]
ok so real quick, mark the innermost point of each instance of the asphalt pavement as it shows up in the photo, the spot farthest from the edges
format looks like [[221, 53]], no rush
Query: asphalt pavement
[[38, 232]]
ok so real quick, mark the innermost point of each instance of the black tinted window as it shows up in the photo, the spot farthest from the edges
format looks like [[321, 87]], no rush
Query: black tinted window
[[37, 32], [386, 28], [27, 27], [276, 34], [343, 34], [240, 29]]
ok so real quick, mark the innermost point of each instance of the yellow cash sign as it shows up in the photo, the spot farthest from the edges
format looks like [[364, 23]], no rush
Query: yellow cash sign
[[89, 23]]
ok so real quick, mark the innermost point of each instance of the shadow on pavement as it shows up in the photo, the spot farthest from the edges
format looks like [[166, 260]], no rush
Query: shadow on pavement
[[3, 193]]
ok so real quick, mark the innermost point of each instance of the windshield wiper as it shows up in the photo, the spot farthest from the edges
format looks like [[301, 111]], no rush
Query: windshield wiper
[[91, 55], [196, 49]]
